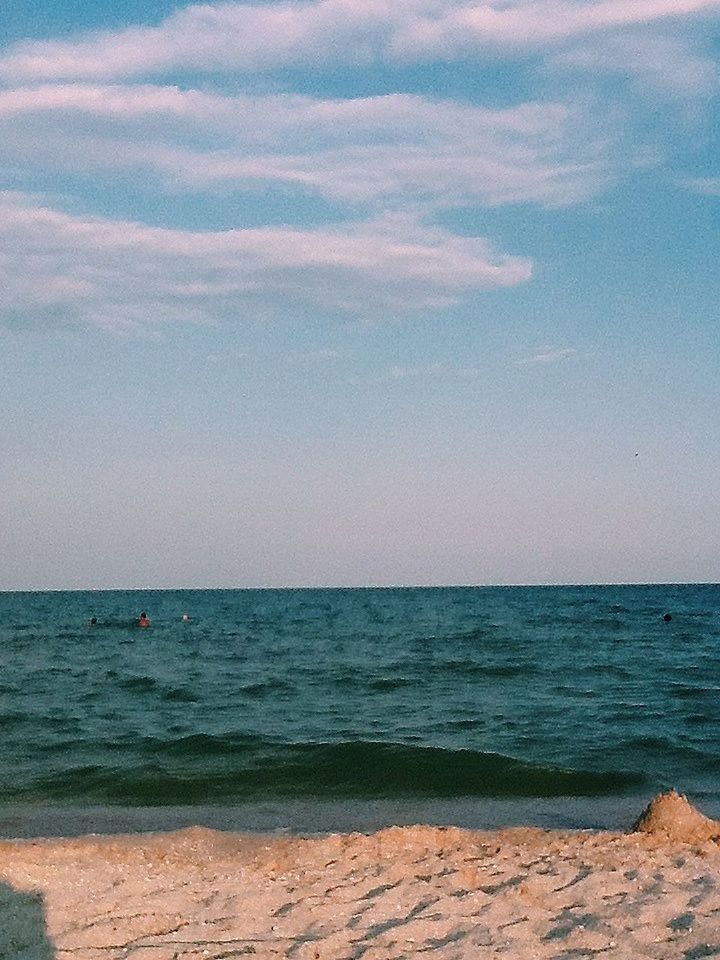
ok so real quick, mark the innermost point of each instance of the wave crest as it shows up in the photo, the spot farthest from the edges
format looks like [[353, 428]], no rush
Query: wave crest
[[179, 773]]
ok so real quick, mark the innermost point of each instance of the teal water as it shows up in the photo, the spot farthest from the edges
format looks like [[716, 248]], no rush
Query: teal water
[[342, 696]]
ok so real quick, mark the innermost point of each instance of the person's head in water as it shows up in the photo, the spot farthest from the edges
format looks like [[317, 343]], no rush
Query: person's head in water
[[143, 620], [667, 618], [93, 621]]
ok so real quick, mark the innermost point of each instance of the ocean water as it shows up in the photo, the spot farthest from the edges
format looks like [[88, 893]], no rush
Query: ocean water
[[398, 701]]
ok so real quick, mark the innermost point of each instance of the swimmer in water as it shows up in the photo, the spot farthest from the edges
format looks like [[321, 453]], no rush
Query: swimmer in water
[[143, 620], [93, 621], [186, 617]]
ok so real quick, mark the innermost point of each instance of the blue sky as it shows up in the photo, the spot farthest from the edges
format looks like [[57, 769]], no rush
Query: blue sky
[[358, 292]]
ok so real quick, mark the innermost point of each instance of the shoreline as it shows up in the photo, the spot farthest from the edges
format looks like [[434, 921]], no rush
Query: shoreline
[[441, 893], [320, 816]]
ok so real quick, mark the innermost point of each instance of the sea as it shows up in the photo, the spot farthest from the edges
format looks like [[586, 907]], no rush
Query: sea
[[312, 710]]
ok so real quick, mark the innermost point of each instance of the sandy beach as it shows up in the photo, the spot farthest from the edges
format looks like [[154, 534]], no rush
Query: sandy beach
[[403, 892]]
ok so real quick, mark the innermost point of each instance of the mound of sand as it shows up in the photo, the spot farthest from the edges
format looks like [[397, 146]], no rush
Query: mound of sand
[[671, 816]]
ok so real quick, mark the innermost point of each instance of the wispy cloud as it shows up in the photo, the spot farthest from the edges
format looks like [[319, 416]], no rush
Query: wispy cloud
[[398, 372], [231, 36], [659, 62], [386, 165], [383, 149], [706, 186], [546, 356], [311, 358], [227, 357], [123, 274], [530, 24]]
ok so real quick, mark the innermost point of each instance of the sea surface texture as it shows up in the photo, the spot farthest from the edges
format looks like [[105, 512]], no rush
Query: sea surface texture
[[268, 696]]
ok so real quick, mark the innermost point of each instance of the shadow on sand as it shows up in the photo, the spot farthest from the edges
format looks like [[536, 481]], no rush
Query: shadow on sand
[[22, 926]]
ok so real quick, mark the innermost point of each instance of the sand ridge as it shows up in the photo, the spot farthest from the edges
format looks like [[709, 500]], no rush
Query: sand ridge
[[404, 892]]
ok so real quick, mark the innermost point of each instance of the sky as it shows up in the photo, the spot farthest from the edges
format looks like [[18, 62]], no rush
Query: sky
[[359, 292]]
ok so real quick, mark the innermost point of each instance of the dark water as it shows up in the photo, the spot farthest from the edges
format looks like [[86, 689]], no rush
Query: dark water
[[358, 695]]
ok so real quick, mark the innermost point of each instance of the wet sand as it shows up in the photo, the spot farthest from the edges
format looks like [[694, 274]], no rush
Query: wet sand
[[404, 892]]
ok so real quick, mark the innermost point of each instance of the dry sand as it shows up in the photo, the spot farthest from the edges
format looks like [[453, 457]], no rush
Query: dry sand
[[435, 893]]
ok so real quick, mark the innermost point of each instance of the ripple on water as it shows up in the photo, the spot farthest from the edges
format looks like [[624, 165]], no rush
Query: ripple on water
[[572, 675]]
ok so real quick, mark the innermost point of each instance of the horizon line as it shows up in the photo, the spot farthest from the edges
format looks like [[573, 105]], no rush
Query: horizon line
[[430, 586]]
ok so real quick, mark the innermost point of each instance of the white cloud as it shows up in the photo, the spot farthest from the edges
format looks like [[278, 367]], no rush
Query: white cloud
[[546, 356], [312, 358], [231, 36], [121, 274], [381, 149], [370, 156], [397, 373], [655, 61], [528, 24], [707, 186]]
